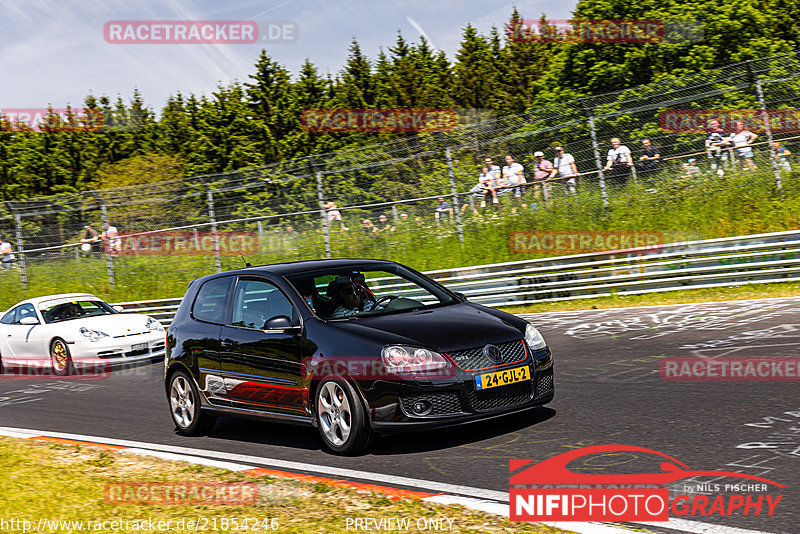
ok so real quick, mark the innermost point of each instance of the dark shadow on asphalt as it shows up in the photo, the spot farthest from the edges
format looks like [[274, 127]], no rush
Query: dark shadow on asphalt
[[456, 436], [307, 438], [266, 433]]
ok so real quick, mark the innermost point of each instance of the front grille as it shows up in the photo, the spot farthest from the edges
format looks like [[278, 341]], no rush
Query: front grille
[[157, 346], [474, 359], [444, 403], [500, 397], [130, 334], [545, 383], [138, 352]]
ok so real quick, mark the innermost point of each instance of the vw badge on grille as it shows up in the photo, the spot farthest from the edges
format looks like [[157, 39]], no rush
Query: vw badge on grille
[[492, 352]]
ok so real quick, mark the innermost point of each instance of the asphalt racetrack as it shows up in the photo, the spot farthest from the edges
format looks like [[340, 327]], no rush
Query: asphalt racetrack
[[608, 390]]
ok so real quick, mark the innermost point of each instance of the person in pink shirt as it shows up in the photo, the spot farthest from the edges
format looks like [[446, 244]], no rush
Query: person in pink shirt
[[541, 177]]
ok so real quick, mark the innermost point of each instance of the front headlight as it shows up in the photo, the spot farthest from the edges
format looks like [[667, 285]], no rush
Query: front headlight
[[154, 325], [533, 338], [401, 358], [92, 335]]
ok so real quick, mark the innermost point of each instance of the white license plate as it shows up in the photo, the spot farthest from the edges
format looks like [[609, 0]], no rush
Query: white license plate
[[138, 346]]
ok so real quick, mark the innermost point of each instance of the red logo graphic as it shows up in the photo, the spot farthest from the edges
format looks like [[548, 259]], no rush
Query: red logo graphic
[[605, 500]]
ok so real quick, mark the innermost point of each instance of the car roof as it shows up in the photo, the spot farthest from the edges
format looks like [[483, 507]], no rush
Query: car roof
[[307, 266], [60, 296]]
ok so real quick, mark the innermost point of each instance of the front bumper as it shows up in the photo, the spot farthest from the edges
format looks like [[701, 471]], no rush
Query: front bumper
[[456, 401]]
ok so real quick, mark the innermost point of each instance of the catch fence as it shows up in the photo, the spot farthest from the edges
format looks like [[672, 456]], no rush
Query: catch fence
[[380, 199]]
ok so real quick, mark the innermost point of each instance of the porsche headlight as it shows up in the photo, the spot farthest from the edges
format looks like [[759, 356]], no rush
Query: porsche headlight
[[533, 338], [92, 335], [154, 325], [401, 358]]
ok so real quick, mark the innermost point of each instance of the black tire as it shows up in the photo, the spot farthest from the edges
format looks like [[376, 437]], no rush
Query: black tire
[[60, 358], [184, 406], [341, 419]]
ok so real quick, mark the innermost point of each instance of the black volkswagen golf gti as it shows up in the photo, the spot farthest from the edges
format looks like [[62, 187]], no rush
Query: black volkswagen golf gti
[[353, 347]]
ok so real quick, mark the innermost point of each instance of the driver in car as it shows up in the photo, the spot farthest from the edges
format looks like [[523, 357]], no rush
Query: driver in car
[[351, 296], [71, 311]]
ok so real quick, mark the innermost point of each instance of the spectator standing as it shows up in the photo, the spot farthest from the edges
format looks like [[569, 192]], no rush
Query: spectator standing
[[542, 170], [564, 166], [717, 142], [6, 254], [113, 241], [441, 209], [514, 176], [650, 159], [334, 215], [742, 141], [619, 161], [497, 179], [91, 237], [782, 156]]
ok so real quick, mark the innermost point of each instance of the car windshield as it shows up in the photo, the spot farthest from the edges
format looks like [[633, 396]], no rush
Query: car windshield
[[367, 291], [55, 312]]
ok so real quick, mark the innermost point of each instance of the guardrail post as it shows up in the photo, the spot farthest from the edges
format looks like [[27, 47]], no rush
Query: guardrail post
[[772, 154], [597, 160], [453, 189], [213, 218], [23, 267], [323, 212], [107, 245]]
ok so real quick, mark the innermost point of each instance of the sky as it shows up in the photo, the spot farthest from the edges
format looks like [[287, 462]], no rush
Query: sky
[[55, 52]]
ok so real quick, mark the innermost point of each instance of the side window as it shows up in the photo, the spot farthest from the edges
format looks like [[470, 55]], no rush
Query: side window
[[256, 302], [211, 300], [10, 317], [26, 310]]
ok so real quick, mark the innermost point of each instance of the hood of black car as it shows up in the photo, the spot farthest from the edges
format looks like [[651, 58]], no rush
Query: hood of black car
[[449, 328]]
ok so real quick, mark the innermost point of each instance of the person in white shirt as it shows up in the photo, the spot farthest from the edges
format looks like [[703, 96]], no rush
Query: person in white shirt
[[514, 176], [7, 254], [742, 141], [564, 166], [113, 240], [619, 161]]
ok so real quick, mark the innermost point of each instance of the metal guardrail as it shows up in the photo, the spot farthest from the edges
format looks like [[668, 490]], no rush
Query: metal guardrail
[[730, 261]]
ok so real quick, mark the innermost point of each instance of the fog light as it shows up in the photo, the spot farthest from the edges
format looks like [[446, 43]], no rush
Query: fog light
[[421, 407]]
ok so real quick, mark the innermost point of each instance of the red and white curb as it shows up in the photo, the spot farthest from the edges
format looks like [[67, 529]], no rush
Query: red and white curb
[[484, 500]]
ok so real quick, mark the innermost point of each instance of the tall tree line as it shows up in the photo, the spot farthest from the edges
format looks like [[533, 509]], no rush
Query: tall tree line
[[257, 121]]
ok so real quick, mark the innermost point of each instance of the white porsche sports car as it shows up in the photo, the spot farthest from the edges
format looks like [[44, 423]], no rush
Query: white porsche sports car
[[68, 333]]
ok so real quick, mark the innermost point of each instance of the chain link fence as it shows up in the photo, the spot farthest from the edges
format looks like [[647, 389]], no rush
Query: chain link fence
[[381, 200]]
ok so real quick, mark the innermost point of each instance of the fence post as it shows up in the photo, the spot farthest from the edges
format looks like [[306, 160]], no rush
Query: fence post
[[597, 161], [213, 218], [453, 190], [323, 212], [23, 267], [104, 222], [772, 155]]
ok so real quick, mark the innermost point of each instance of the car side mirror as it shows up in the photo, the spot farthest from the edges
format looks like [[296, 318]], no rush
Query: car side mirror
[[279, 322], [461, 295], [119, 308], [30, 321]]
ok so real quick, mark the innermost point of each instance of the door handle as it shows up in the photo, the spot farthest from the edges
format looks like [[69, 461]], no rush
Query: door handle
[[226, 343]]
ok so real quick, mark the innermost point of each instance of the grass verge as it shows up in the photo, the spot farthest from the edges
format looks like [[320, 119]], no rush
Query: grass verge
[[687, 296], [68, 483]]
